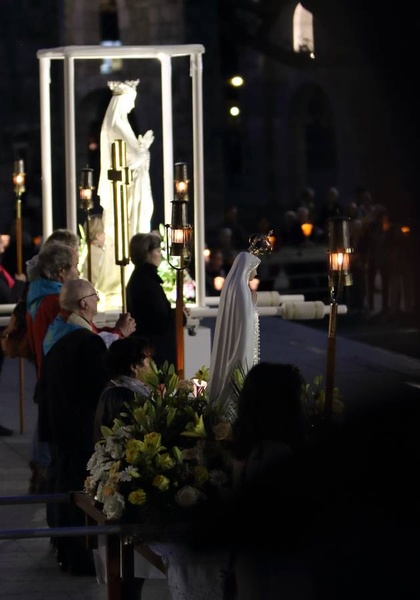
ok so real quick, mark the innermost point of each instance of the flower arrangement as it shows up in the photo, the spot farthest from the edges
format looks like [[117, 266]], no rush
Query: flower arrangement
[[164, 454]]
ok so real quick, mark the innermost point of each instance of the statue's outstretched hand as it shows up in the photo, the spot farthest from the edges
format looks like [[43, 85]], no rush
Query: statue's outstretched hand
[[147, 139]]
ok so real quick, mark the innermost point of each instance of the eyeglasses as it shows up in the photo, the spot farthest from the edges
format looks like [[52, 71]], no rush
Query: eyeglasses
[[95, 293]]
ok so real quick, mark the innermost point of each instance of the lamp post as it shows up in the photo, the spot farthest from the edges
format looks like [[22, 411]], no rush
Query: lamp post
[[339, 276], [86, 188], [19, 189], [178, 247]]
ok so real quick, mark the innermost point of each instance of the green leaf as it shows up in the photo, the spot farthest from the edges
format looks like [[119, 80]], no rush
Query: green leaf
[[106, 431]]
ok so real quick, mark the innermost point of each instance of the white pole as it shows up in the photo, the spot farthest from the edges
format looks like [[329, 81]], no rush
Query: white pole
[[199, 214], [46, 181], [70, 143], [167, 136]]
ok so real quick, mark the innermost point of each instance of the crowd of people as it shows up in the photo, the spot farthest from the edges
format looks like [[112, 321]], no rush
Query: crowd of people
[[382, 261], [86, 374], [67, 352]]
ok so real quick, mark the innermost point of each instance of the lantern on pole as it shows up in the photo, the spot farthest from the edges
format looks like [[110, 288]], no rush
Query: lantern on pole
[[86, 188], [18, 179], [339, 276], [179, 240], [19, 176]]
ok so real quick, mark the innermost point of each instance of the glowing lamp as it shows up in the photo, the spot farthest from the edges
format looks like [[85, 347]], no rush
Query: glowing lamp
[[19, 177], [307, 229], [86, 188], [339, 250]]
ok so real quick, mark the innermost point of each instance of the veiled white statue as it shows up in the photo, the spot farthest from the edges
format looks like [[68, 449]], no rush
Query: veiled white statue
[[139, 192], [236, 342], [236, 335]]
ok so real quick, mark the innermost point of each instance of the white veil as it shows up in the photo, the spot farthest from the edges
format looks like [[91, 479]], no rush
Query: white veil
[[236, 336]]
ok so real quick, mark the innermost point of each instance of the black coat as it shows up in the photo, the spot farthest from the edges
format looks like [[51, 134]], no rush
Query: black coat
[[71, 381], [155, 318], [11, 295]]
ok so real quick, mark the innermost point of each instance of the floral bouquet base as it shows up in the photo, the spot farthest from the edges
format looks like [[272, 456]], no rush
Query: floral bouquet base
[[165, 455]]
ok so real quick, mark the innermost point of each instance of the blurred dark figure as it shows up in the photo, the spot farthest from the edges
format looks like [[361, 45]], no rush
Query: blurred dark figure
[[12, 287], [290, 230], [215, 268], [231, 220], [379, 246], [356, 293], [409, 265], [332, 207], [364, 201], [10, 253], [336, 518], [402, 271], [307, 199], [265, 434]]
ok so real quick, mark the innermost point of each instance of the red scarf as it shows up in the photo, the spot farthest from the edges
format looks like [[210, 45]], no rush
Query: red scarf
[[9, 280]]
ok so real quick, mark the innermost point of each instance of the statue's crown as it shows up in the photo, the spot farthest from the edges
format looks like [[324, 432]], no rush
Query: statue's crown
[[123, 87], [260, 243]]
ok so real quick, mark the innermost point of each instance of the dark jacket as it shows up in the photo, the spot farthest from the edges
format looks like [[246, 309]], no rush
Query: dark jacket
[[152, 311], [72, 379], [10, 295]]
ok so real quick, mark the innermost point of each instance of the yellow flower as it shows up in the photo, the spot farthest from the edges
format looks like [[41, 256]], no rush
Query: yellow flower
[[161, 483], [151, 443], [138, 497], [165, 461], [133, 451]]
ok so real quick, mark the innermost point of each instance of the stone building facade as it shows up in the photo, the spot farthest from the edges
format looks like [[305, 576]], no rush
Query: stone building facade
[[325, 122]]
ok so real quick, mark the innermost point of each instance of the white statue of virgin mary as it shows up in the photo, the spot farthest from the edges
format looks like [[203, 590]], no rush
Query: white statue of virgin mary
[[139, 193]]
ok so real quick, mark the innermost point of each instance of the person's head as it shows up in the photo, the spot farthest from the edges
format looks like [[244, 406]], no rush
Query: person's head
[[270, 407], [129, 356], [231, 213], [224, 237], [216, 259], [64, 236], [79, 296], [58, 262], [332, 196], [146, 248]]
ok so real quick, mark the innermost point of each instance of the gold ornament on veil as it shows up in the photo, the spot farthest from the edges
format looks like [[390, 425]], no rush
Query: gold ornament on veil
[[260, 243]]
